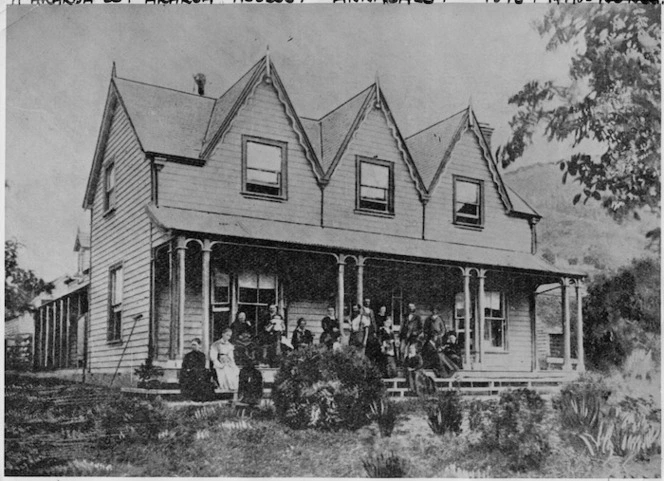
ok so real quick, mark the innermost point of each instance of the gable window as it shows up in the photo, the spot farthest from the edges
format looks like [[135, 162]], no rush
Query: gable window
[[494, 319], [468, 202], [115, 286], [264, 167], [375, 185], [109, 187]]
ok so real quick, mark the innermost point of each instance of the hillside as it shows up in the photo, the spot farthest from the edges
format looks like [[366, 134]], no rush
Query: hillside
[[579, 235]]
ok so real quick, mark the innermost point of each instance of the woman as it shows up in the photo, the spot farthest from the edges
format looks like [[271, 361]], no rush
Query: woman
[[223, 360], [194, 377], [388, 349], [301, 335], [359, 328]]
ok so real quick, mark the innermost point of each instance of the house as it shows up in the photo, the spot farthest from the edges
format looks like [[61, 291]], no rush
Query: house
[[59, 318], [204, 207]]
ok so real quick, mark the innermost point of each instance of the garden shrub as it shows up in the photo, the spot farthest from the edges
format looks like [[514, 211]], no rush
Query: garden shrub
[[385, 414], [636, 428], [326, 389], [580, 405], [382, 466], [515, 428], [481, 414], [446, 416]]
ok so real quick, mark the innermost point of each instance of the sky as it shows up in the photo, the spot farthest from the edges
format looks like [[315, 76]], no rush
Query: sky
[[431, 61]]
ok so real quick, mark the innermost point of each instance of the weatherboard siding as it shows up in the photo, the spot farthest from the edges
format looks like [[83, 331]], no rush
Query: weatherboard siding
[[216, 187], [373, 139], [312, 311], [500, 230], [518, 355], [121, 237]]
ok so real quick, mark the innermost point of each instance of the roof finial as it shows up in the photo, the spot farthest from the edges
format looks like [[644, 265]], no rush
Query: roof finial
[[377, 90], [113, 73], [267, 59], [470, 102]]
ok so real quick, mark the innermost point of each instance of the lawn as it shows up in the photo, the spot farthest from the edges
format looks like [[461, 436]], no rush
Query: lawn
[[102, 433]]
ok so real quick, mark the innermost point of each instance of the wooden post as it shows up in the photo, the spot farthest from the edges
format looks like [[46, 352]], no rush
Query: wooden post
[[181, 249], [533, 330], [55, 331], [61, 343], [341, 262], [567, 357], [207, 248], [580, 355], [67, 340], [481, 276], [466, 317], [44, 311], [360, 280]]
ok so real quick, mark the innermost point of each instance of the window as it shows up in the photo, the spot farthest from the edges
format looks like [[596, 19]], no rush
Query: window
[[109, 187], [375, 186], [460, 319], [255, 294], [115, 304], [264, 167], [494, 319], [467, 202]]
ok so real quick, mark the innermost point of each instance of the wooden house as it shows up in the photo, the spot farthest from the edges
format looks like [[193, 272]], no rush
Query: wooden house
[[204, 207]]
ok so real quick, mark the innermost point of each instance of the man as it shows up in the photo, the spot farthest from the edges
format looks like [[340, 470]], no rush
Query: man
[[302, 336], [194, 377], [434, 327], [331, 332], [372, 345], [411, 330]]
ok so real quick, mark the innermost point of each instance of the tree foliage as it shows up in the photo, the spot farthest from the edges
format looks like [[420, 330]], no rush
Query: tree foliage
[[21, 285], [613, 99]]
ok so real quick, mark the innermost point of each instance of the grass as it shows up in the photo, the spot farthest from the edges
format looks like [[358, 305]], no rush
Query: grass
[[211, 440]]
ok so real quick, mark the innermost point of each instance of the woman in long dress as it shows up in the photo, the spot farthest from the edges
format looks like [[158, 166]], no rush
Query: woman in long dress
[[223, 360]]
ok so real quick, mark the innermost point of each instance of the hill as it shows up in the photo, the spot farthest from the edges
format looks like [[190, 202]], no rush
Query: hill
[[583, 235]]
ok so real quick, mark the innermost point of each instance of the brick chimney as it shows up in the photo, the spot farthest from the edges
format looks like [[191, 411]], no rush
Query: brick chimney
[[199, 78], [487, 132]]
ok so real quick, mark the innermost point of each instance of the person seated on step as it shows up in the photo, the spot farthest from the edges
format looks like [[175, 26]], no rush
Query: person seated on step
[[195, 382], [250, 389], [331, 331], [222, 354], [451, 350], [240, 326], [302, 336]]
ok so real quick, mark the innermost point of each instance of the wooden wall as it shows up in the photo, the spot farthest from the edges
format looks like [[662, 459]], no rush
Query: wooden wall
[[500, 230], [217, 186], [122, 236], [373, 138]]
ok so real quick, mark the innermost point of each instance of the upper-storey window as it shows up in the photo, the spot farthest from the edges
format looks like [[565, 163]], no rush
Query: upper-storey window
[[264, 167], [468, 202], [109, 187], [375, 185]]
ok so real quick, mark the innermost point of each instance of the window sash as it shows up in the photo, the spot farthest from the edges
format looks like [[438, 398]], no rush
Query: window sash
[[263, 167], [375, 186], [116, 286], [467, 202], [109, 186]]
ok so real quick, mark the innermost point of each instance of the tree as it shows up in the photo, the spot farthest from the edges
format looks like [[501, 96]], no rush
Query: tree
[[613, 98], [21, 286]]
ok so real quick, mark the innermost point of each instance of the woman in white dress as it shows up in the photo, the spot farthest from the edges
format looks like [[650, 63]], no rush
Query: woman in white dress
[[223, 360]]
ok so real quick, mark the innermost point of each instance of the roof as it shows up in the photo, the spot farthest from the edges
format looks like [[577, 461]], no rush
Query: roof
[[166, 121], [519, 205], [185, 125], [316, 236], [430, 147], [82, 241]]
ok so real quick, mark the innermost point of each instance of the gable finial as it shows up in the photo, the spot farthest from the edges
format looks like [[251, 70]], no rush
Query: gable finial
[[377, 83], [113, 72], [267, 59]]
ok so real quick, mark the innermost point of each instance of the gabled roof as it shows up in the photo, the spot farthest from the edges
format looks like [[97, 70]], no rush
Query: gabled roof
[[431, 147], [82, 241], [166, 121]]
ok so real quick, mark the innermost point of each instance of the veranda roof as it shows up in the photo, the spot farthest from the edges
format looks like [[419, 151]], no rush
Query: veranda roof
[[348, 241]]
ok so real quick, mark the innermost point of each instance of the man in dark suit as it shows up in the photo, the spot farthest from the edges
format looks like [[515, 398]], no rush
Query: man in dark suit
[[411, 330]]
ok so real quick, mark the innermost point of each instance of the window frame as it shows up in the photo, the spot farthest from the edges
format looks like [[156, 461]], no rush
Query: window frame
[[110, 202], [389, 212], [283, 187], [455, 219], [489, 320], [114, 333]]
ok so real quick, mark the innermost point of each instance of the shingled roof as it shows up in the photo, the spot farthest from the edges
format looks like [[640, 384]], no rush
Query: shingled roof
[[180, 124]]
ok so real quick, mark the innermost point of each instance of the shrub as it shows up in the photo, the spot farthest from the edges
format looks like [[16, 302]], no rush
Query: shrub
[[382, 466], [636, 428], [148, 372], [326, 389], [580, 405], [385, 413], [514, 427], [446, 416]]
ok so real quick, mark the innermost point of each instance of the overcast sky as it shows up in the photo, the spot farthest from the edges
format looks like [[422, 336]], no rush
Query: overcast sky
[[430, 58]]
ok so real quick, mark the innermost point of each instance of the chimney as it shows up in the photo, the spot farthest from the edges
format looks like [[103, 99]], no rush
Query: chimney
[[487, 132], [199, 78]]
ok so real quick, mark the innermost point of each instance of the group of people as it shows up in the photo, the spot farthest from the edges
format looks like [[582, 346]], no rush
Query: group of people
[[419, 344]]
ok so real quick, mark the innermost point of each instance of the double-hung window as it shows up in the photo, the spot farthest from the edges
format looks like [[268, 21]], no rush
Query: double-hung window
[[264, 167], [375, 185], [115, 286], [468, 202], [109, 187], [494, 319], [460, 319], [256, 291]]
